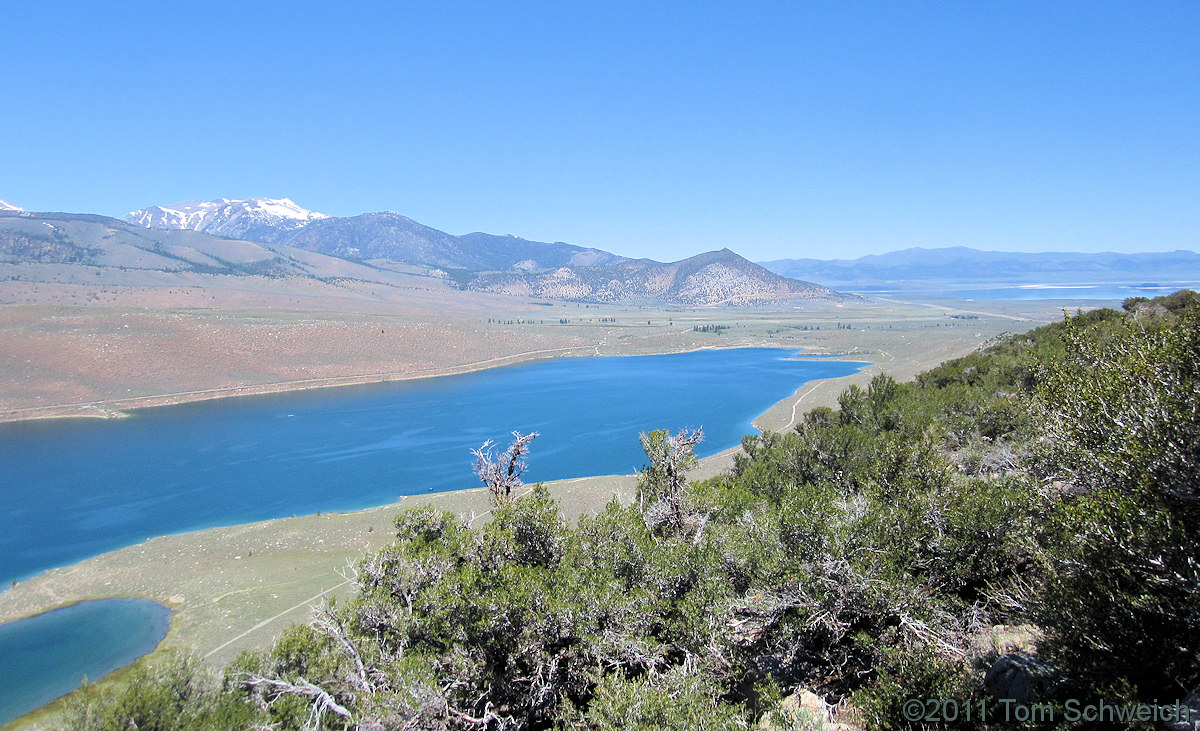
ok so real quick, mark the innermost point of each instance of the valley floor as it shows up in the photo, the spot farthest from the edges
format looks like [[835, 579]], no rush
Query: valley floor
[[103, 359]]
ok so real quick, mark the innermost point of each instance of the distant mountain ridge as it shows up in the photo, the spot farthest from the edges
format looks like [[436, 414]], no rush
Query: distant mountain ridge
[[68, 243], [100, 241], [383, 235], [6, 206], [487, 262], [962, 265], [264, 220], [389, 235]]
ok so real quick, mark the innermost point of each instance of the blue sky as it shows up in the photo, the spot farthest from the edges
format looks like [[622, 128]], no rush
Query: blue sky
[[828, 129]]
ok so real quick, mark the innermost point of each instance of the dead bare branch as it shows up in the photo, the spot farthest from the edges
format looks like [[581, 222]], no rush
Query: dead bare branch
[[502, 474], [663, 484], [330, 624], [322, 701]]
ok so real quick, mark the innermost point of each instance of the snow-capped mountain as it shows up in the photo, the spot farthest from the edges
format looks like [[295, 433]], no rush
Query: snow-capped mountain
[[6, 206], [254, 219]]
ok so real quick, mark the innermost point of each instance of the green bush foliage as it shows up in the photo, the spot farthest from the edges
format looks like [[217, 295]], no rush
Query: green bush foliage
[[1121, 424], [178, 693]]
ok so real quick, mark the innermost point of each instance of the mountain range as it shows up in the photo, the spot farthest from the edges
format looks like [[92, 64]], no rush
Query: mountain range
[[147, 255], [265, 220], [488, 262], [962, 266], [515, 266], [276, 238], [391, 236]]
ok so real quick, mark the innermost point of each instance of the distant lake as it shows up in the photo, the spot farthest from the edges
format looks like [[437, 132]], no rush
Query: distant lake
[[1117, 292], [77, 488], [1108, 292], [46, 656]]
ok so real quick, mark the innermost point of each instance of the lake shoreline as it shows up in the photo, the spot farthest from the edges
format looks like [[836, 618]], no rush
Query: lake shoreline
[[120, 408], [780, 416], [98, 638], [708, 466]]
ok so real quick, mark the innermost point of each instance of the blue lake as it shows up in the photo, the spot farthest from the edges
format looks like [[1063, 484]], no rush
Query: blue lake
[[46, 656], [1106, 293], [74, 489], [1117, 292]]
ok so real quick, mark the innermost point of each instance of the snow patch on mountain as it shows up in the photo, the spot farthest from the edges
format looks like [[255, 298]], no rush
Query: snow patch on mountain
[[6, 206], [255, 219]]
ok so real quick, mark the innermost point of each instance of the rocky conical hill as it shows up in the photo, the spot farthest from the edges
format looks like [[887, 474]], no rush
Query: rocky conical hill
[[713, 278]]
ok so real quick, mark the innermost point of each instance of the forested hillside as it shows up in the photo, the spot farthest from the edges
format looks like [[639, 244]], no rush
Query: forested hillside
[[881, 552]]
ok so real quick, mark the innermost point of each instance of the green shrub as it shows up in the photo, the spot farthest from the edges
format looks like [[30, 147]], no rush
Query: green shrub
[[175, 693], [1122, 553]]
